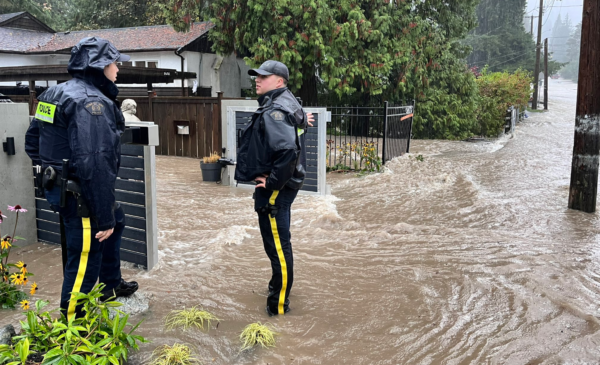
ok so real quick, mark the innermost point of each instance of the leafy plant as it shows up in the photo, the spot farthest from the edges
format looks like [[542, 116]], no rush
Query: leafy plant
[[187, 318], [177, 355], [497, 92], [257, 334], [364, 156], [91, 339], [420, 158], [13, 275], [214, 157]]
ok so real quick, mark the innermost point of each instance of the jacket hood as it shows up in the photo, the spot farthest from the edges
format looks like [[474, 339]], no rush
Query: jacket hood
[[88, 59], [93, 53]]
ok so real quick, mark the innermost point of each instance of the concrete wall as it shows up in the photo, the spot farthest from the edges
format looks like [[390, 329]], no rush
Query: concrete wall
[[16, 176]]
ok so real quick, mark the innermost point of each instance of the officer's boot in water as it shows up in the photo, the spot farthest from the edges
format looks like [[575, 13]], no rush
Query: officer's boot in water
[[124, 289]]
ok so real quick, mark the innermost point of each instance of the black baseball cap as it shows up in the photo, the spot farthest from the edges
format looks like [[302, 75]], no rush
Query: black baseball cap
[[271, 67]]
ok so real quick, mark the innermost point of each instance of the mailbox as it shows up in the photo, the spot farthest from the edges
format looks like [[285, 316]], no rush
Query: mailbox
[[183, 129]]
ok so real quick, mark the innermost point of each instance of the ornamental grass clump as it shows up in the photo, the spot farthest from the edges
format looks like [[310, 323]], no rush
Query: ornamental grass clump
[[13, 276], [257, 334], [177, 355], [188, 318], [213, 158]]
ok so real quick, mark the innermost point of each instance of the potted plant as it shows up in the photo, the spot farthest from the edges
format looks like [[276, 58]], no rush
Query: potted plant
[[211, 168]]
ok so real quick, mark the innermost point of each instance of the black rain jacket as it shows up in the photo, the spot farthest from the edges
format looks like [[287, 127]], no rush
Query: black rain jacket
[[273, 143], [80, 120]]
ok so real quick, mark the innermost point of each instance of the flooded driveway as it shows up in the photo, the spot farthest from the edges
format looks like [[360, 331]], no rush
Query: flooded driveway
[[469, 256]]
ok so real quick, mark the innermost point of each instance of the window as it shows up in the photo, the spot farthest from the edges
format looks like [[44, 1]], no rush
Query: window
[[140, 63], [152, 64], [125, 63]]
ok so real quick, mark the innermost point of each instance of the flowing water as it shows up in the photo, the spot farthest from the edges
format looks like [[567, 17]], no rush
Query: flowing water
[[467, 257]]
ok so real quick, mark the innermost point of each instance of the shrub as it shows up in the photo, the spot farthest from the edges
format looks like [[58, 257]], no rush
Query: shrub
[[499, 91], [91, 339]]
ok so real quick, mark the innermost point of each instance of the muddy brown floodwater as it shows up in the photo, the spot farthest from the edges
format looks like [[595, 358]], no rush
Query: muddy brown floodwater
[[467, 257]]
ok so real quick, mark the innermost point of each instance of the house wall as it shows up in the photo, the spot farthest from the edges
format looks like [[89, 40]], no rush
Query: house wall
[[220, 74]]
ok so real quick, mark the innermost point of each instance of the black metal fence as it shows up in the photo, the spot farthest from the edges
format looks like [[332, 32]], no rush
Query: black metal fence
[[362, 137]]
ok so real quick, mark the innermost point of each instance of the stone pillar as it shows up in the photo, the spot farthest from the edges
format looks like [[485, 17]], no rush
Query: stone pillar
[[16, 174]]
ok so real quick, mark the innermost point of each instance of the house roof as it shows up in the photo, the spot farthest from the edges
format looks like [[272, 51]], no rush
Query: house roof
[[149, 38], [21, 40], [14, 39], [23, 20], [5, 17]]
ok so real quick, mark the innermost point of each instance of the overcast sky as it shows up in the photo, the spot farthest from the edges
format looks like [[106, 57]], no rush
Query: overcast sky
[[552, 8]]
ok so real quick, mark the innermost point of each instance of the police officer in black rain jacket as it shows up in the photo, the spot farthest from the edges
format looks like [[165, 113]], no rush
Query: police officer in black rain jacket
[[272, 153], [80, 120]]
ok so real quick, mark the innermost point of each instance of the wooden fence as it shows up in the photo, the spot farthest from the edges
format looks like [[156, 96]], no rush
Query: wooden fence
[[202, 116]]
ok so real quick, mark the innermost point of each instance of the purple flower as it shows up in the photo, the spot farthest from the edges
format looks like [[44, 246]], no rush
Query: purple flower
[[17, 208]]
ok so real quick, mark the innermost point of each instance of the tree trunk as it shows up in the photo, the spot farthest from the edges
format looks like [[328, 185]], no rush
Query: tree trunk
[[308, 92]]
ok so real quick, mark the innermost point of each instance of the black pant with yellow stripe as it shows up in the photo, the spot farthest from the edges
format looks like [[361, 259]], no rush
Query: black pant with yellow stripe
[[87, 258], [274, 212]]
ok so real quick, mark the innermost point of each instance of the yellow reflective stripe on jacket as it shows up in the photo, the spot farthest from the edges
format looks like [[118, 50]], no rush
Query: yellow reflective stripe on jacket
[[300, 131], [45, 112]]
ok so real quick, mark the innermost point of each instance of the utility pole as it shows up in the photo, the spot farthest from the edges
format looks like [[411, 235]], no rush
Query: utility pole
[[537, 58], [531, 26], [546, 74], [584, 169]]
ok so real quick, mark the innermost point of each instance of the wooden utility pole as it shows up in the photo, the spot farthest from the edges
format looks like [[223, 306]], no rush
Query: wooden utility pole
[[531, 22], [584, 169], [537, 58], [546, 74]]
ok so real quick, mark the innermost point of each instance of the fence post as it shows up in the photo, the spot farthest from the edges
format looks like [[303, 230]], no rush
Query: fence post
[[150, 112], [219, 141], [151, 204], [385, 128], [411, 125]]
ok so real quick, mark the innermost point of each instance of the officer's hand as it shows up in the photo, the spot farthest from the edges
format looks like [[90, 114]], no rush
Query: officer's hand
[[310, 119], [262, 181], [102, 235]]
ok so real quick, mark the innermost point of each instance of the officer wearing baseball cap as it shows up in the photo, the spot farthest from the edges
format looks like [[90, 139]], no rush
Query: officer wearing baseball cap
[[80, 121], [271, 68], [272, 153]]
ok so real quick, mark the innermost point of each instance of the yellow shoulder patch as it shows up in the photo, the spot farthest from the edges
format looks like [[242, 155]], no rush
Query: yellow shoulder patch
[[45, 112]]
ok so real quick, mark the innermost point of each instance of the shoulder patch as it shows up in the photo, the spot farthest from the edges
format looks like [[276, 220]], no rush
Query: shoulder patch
[[277, 115], [45, 112], [95, 108]]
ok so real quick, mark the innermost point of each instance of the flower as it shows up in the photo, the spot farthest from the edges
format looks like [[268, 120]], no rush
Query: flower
[[25, 304], [25, 280], [4, 244], [17, 208], [34, 288], [1, 216], [17, 279], [23, 266]]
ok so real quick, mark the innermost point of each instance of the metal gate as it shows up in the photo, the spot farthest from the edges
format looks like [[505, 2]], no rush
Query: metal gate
[[397, 131], [239, 117], [136, 192]]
